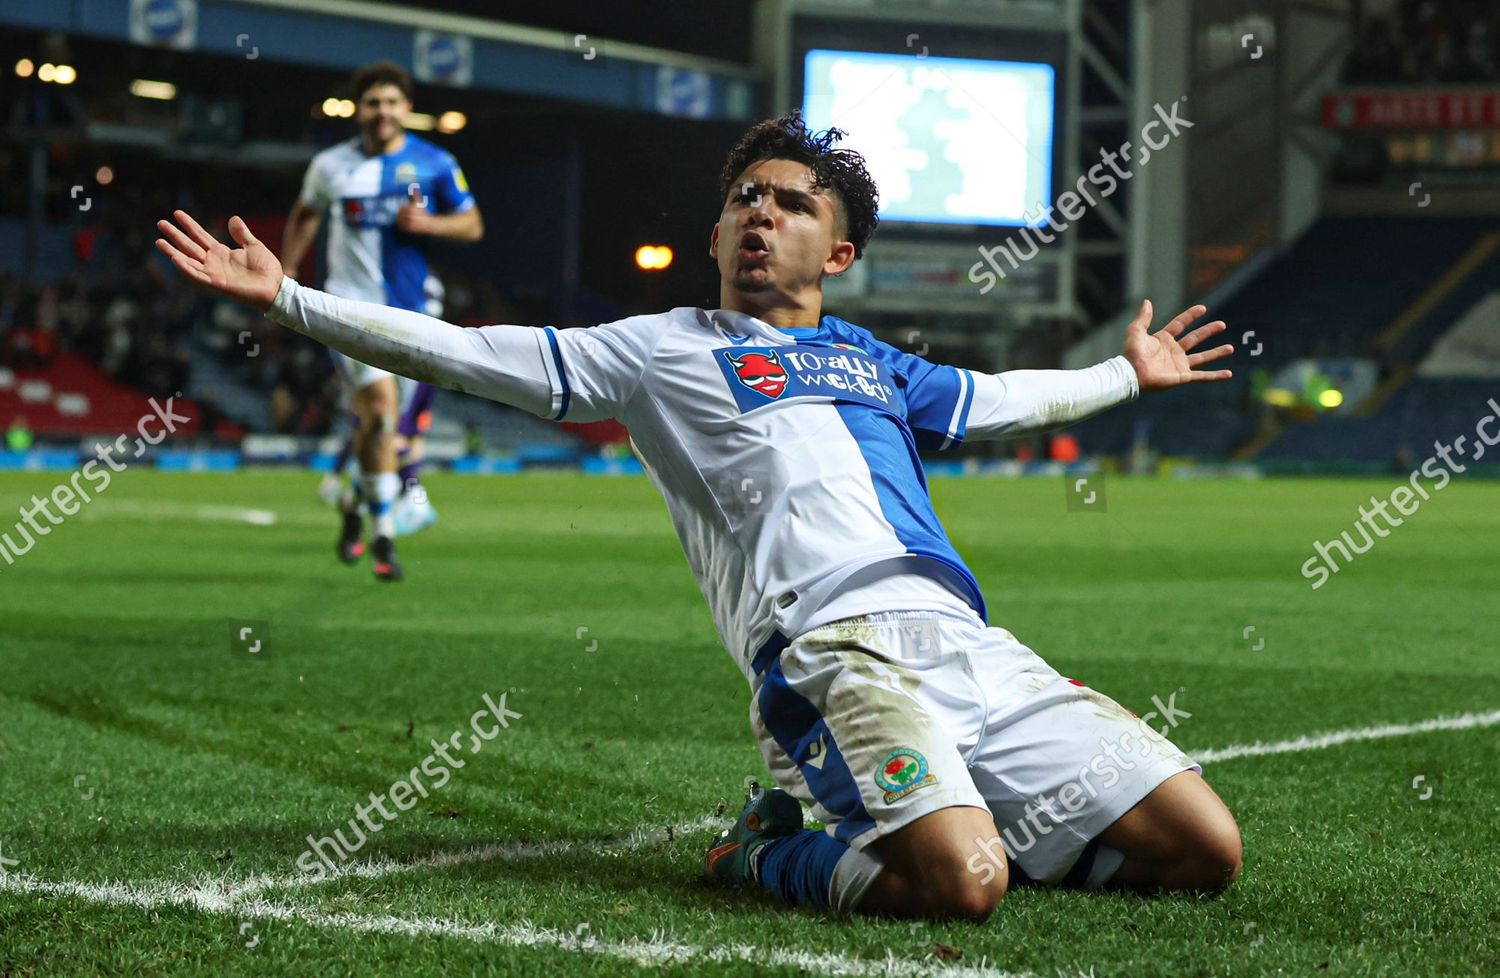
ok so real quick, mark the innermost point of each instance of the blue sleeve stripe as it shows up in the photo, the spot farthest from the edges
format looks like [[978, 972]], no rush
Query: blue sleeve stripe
[[963, 421], [562, 374], [961, 405]]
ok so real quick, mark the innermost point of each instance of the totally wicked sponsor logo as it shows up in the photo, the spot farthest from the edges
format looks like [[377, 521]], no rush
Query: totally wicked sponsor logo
[[759, 375], [761, 372], [375, 212]]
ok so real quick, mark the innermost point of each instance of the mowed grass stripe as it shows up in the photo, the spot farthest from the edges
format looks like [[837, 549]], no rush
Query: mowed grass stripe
[[195, 752], [222, 894], [245, 901]]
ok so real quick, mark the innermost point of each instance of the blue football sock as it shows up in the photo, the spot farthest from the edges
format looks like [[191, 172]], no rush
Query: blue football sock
[[799, 867]]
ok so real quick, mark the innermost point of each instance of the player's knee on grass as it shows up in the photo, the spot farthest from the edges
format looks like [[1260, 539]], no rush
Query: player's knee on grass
[[952, 864], [1180, 837], [1212, 856], [963, 896], [1208, 850]]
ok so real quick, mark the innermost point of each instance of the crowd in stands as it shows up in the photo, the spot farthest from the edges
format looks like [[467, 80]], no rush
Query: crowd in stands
[[121, 305], [116, 306], [1428, 41]]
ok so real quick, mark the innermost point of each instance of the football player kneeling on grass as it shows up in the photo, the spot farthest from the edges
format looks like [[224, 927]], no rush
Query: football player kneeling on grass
[[945, 758]]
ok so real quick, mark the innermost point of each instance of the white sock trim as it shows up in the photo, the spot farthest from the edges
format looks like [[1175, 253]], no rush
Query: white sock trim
[[383, 487], [852, 879]]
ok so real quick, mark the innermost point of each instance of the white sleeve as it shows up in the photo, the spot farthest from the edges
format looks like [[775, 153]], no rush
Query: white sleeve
[[315, 191], [1021, 402], [595, 372], [572, 374]]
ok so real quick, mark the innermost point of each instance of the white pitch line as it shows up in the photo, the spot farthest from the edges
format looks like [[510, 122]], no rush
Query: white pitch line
[[501, 851], [511, 851], [242, 899], [650, 952], [161, 511], [1464, 721]]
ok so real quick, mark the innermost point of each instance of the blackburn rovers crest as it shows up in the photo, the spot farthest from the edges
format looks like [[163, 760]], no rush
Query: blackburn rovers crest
[[903, 771]]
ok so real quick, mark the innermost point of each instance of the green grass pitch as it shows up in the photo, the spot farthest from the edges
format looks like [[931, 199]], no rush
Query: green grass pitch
[[158, 781]]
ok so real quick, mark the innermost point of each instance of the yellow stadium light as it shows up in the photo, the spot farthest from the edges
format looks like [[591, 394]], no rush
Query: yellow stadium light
[[1280, 397], [338, 108], [104, 176], [420, 121], [653, 258], [24, 68], [452, 121], [160, 90], [47, 72], [1331, 398], [66, 75]]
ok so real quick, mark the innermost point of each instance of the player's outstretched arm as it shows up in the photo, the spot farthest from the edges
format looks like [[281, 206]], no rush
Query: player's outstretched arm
[[249, 274], [1024, 402], [1162, 359], [502, 363]]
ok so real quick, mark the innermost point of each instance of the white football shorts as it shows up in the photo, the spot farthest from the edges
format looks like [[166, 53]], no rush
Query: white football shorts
[[356, 375], [878, 720]]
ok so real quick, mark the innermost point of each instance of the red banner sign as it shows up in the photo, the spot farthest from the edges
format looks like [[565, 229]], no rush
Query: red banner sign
[[1412, 109]]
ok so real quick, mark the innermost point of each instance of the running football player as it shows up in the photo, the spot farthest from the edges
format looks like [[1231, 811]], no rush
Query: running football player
[[389, 191], [946, 759], [413, 511]]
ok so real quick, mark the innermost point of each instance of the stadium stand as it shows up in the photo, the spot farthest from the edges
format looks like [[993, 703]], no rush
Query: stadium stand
[[1325, 296], [1429, 41], [82, 349], [71, 396]]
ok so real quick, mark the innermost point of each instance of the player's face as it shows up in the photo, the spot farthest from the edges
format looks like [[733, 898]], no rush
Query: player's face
[[778, 232], [381, 113]]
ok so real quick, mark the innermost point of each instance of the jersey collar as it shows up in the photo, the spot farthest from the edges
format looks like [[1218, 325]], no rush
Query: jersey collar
[[739, 327]]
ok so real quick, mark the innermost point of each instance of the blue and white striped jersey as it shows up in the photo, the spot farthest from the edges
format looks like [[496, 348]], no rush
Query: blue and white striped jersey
[[368, 258], [787, 458]]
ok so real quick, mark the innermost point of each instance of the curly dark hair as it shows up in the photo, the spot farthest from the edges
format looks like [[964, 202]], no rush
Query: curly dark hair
[[380, 73], [841, 170]]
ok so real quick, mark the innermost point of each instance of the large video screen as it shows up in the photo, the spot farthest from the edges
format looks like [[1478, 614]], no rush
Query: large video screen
[[949, 140]]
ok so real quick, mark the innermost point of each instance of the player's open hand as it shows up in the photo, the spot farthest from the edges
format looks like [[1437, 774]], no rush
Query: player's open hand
[[1162, 359], [249, 274]]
